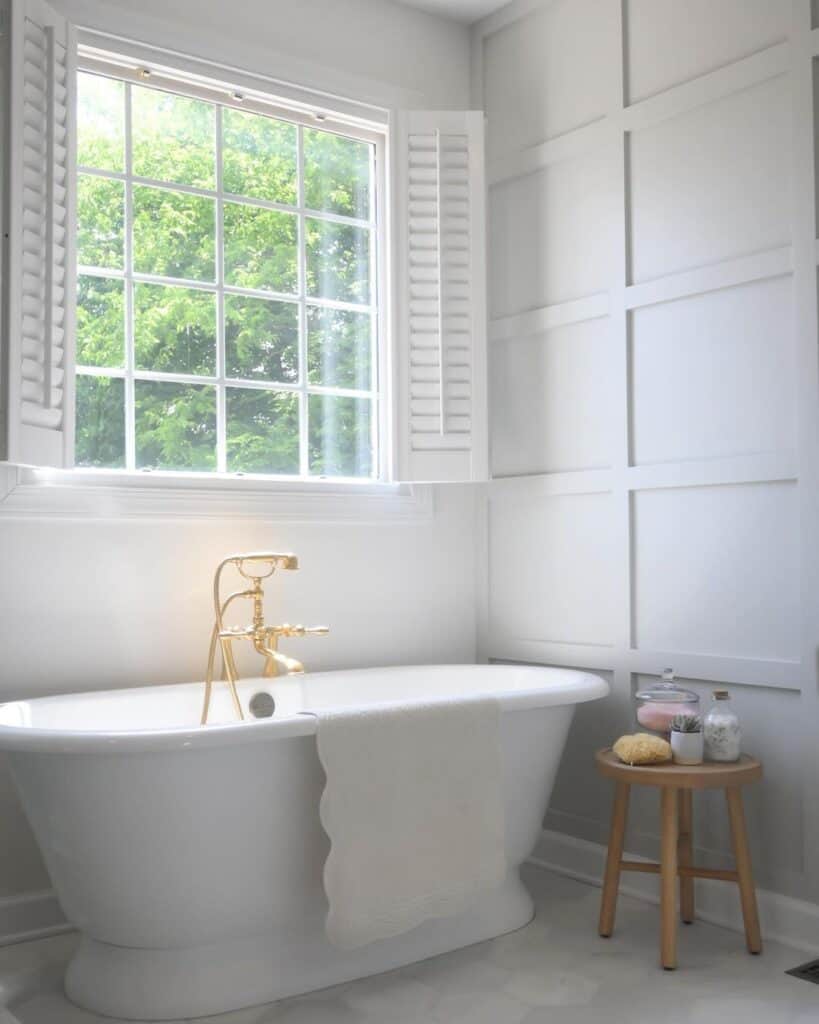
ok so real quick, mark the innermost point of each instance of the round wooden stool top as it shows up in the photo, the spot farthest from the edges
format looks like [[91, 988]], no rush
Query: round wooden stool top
[[708, 775]]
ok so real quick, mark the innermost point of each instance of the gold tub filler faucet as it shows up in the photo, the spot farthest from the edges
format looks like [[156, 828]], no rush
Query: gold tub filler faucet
[[254, 567]]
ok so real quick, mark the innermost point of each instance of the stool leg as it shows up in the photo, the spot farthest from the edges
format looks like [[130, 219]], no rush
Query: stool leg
[[742, 856], [617, 835], [685, 854], [668, 878]]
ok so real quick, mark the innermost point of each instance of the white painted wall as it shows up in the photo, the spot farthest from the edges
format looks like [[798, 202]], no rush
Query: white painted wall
[[653, 379], [373, 50], [110, 601]]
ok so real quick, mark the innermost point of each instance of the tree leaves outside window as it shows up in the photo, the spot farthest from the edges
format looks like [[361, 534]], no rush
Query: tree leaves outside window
[[225, 316]]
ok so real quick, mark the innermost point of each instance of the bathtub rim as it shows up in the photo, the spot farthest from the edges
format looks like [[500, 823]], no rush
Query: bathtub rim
[[576, 687]]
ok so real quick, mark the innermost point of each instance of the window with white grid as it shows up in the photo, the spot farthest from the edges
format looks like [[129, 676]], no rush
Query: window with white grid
[[227, 283]]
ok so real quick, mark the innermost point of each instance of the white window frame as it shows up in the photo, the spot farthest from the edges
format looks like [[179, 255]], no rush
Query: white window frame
[[129, 66]]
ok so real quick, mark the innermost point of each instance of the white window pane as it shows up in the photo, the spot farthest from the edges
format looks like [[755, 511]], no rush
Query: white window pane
[[338, 261], [100, 123], [340, 442], [262, 431]]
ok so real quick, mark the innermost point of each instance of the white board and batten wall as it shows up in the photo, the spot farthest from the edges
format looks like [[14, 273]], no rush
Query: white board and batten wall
[[653, 381]]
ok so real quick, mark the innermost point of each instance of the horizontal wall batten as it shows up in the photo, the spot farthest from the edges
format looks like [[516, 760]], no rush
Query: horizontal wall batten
[[547, 485], [764, 467], [758, 266], [572, 144], [715, 85], [546, 652], [718, 668], [778, 675], [546, 318]]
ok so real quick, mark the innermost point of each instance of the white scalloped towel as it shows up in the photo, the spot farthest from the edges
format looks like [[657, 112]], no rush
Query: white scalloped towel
[[414, 811]]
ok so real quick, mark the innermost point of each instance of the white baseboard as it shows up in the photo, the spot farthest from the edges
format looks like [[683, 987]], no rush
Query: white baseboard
[[786, 920], [31, 915]]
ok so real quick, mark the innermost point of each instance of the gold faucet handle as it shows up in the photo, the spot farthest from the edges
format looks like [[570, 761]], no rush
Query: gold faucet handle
[[288, 630]]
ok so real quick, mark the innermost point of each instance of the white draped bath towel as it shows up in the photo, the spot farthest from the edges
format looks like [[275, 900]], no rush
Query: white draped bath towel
[[413, 807]]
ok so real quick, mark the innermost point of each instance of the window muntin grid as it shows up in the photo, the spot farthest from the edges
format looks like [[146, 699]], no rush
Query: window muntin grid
[[297, 396]]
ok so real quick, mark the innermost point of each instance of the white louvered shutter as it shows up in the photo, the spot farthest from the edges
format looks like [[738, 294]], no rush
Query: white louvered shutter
[[441, 423], [37, 337]]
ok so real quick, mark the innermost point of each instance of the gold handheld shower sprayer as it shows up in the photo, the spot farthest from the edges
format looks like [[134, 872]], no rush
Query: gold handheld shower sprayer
[[253, 567]]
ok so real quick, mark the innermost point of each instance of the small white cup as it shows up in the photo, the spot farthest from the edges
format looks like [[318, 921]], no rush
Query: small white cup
[[687, 747]]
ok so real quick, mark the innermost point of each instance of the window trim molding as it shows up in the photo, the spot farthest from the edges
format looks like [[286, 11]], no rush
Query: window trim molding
[[328, 94], [115, 494]]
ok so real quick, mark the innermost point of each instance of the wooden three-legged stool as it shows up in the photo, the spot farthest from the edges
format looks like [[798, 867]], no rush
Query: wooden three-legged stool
[[676, 783]]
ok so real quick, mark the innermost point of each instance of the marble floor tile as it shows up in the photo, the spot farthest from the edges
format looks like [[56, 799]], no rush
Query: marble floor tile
[[555, 971]]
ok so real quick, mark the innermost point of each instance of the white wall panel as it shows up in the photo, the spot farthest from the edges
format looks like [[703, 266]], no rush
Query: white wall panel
[[712, 184], [670, 42], [716, 570], [535, 86], [712, 375], [553, 234], [551, 400], [543, 555], [578, 785]]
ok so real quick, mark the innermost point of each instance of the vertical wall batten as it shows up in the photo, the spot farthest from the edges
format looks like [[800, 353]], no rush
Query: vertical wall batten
[[440, 255]]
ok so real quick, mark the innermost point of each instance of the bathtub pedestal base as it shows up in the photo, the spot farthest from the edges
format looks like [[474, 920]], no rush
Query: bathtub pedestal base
[[166, 984]]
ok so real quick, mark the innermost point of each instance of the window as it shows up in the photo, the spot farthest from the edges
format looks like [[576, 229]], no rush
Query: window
[[227, 291]]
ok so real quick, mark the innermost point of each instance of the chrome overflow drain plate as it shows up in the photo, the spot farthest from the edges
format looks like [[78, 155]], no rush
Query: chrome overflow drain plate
[[262, 705]]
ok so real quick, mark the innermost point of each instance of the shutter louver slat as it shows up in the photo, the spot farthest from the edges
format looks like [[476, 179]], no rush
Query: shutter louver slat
[[38, 395]]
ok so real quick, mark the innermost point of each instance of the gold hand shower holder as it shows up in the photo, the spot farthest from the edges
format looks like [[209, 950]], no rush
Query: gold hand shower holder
[[264, 638]]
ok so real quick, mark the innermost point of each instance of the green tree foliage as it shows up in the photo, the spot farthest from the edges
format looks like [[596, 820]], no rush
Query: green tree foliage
[[175, 425], [173, 138], [269, 442], [100, 321], [100, 436], [261, 339], [174, 329], [174, 326]]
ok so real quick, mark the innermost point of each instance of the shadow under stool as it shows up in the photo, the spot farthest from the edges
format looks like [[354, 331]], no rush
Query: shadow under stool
[[677, 783]]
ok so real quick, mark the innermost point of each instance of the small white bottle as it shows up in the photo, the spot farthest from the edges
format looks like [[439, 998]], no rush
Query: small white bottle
[[721, 729]]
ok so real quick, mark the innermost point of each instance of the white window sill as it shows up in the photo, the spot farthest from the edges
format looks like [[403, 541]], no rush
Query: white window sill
[[91, 494]]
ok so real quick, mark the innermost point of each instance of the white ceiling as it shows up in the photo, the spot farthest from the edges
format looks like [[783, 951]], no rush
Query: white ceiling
[[459, 10]]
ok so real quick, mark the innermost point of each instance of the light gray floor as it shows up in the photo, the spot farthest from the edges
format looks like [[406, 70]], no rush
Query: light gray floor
[[555, 971]]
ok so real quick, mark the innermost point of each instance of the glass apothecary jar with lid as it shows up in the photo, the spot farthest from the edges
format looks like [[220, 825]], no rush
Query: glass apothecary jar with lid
[[658, 704]]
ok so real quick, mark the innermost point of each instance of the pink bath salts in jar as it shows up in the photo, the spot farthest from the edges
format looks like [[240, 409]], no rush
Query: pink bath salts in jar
[[658, 704]]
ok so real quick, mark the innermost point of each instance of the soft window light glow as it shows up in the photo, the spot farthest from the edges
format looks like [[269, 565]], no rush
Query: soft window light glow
[[226, 314]]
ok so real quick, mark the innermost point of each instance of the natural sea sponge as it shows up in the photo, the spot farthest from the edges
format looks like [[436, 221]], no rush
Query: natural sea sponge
[[641, 748]]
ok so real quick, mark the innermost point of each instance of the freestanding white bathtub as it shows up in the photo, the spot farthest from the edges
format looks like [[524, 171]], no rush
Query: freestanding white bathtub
[[191, 858]]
